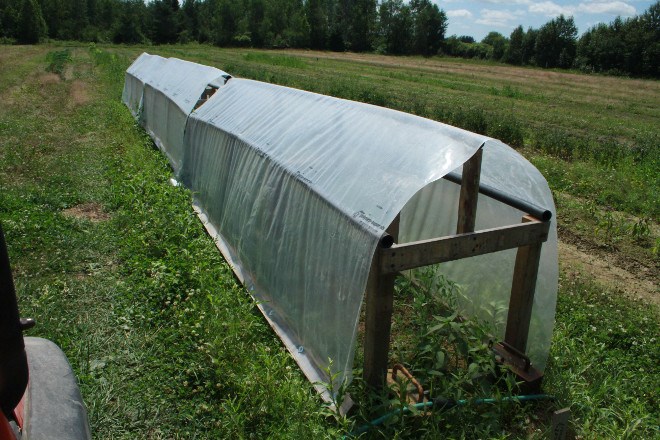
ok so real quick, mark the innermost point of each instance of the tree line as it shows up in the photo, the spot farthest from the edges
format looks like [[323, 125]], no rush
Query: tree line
[[630, 46]]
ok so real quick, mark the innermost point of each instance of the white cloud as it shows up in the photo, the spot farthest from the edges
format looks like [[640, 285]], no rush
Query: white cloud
[[459, 13], [508, 2], [607, 7], [491, 17], [550, 9]]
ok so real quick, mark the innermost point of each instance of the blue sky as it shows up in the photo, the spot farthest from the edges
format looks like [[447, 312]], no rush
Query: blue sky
[[478, 17]]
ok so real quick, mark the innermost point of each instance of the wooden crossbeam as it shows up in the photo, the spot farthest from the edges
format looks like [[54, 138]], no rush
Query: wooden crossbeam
[[455, 247]]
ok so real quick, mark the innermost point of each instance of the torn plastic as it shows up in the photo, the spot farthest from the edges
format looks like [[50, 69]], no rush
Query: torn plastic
[[298, 188]]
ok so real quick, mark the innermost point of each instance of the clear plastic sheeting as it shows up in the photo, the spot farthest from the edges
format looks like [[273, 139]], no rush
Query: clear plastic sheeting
[[485, 281], [297, 189], [171, 90], [301, 187], [145, 68]]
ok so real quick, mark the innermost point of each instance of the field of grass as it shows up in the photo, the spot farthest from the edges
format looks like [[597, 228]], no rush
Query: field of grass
[[115, 267]]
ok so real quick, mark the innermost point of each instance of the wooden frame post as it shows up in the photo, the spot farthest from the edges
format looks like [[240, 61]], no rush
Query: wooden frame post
[[378, 320], [467, 204], [522, 294]]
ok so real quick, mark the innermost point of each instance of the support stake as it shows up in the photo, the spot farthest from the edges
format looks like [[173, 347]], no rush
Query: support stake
[[378, 320], [522, 294], [467, 204]]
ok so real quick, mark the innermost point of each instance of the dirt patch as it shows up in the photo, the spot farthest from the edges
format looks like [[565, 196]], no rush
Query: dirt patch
[[68, 73], [88, 211], [49, 78], [78, 94], [606, 272], [8, 97]]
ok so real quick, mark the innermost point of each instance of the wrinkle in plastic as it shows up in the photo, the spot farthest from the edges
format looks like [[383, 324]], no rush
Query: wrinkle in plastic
[[299, 187]]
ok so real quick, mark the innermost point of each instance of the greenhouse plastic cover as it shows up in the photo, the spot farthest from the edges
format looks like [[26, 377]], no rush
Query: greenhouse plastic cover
[[162, 92], [298, 188]]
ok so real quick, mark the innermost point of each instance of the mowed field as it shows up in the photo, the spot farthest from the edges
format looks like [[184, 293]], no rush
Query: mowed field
[[116, 268]]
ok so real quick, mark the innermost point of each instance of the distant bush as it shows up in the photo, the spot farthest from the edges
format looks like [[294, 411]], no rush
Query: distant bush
[[57, 60], [276, 60], [554, 141], [507, 128], [471, 119]]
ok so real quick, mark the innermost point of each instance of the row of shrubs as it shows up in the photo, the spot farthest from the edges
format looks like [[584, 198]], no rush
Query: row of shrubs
[[508, 128]]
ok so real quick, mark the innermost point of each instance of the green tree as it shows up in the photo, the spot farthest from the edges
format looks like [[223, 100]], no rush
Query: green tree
[[362, 25], [529, 46], [630, 46], [499, 44], [395, 27], [31, 24], [166, 22], [600, 48], [189, 21], [556, 43], [514, 51], [129, 28], [339, 21], [429, 26], [8, 18], [317, 17]]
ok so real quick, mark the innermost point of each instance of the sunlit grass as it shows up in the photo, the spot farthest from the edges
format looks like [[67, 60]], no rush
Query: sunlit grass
[[164, 341]]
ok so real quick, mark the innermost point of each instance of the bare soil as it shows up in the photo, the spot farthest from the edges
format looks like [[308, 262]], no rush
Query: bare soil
[[49, 78], [78, 94], [87, 211], [607, 271]]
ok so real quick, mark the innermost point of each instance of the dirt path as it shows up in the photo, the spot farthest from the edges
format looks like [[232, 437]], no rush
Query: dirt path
[[606, 272]]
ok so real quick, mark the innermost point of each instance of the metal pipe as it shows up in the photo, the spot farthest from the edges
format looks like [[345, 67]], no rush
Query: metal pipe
[[386, 241], [542, 214]]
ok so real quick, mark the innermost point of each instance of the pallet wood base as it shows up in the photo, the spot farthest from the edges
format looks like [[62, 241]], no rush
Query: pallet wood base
[[528, 377]]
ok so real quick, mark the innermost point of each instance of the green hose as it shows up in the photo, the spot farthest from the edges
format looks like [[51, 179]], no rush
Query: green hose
[[443, 404]]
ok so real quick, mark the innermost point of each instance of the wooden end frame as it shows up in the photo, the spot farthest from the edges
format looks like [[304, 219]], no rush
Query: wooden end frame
[[528, 237]]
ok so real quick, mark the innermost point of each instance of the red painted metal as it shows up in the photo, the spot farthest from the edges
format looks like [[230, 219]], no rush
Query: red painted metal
[[6, 433], [19, 412]]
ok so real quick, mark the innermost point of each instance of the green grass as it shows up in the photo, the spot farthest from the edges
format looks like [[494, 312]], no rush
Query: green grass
[[605, 361], [164, 341], [275, 60]]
